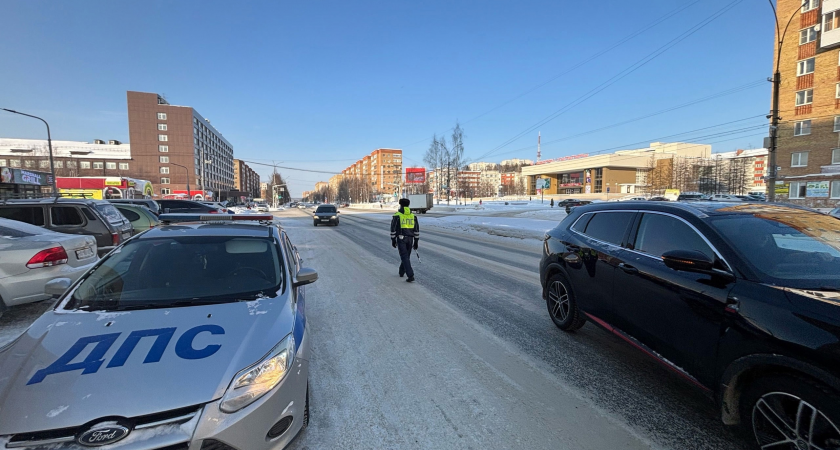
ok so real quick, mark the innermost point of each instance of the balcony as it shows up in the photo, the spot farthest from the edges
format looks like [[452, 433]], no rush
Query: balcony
[[831, 31]]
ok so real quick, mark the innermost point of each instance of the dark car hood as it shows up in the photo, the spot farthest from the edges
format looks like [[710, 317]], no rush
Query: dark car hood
[[188, 372]]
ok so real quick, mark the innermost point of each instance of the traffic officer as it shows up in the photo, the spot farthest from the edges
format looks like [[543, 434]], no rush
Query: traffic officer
[[405, 235]]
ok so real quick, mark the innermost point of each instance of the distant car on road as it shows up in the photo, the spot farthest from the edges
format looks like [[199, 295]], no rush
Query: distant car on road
[[692, 197], [738, 299], [262, 207], [658, 199], [725, 198], [198, 328], [97, 218], [32, 255], [325, 215], [569, 203], [140, 217]]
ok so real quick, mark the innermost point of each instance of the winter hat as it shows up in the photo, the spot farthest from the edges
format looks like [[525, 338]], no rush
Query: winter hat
[[404, 202]]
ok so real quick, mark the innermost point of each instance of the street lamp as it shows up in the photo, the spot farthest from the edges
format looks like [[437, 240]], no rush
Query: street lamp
[[774, 113], [49, 144], [187, 171]]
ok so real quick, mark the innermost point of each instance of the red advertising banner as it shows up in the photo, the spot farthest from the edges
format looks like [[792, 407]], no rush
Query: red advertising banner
[[415, 175]]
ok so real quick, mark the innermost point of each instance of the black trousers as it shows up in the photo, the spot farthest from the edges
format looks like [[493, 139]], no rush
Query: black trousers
[[404, 245]]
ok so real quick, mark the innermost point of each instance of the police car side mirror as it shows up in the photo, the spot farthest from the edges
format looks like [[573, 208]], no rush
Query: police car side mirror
[[305, 276], [57, 287]]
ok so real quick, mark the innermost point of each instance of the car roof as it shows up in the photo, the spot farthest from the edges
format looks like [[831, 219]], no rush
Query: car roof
[[698, 209], [48, 200], [209, 229]]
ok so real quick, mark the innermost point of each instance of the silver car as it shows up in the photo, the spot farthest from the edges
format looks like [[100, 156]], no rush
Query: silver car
[[32, 255], [189, 336]]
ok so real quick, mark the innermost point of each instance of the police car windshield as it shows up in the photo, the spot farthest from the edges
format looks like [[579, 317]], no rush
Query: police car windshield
[[175, 271]]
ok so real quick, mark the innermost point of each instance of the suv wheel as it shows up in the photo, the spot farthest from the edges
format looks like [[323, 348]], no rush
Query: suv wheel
[[788, 412], [562, 306]]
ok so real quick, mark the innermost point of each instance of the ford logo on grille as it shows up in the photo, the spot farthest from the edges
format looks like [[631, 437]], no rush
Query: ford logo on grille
[[102, 436]]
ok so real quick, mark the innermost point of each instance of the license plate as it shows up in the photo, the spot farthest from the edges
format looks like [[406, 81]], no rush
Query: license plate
[[84, 253], [325, 220]]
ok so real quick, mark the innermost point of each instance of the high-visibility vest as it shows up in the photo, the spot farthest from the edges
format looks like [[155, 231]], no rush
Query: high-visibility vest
[[406, 220]]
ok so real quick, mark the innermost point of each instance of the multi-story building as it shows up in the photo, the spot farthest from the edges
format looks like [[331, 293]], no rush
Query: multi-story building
[[246, 179], [517, 162], [382, 169], [481, 166], [175, 144], [749, 167], [264, 191], [71, 158]]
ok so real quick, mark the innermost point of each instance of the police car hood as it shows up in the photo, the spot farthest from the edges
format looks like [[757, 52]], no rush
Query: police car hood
[[131, 363]]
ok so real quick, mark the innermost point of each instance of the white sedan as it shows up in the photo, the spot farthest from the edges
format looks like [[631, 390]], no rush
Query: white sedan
[[33, 255]]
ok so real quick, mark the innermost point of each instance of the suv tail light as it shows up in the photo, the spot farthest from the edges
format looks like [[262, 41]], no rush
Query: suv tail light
[[48, 258], [115, 239]]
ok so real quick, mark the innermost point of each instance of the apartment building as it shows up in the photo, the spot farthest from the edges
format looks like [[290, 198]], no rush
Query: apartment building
[[382, 168], [71, 158], [245, 179], [808, 144], [173, 144]]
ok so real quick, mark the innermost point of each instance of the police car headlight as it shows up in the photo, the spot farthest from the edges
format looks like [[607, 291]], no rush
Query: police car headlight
[[253, 382]]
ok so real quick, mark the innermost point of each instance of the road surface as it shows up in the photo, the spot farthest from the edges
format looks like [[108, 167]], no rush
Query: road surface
[[467, 357]]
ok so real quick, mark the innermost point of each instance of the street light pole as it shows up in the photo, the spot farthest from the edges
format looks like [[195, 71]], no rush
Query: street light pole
[[774, 113], [49, 144], [189, 194]]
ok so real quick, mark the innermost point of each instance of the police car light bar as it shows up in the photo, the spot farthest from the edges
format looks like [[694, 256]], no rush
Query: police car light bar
[[174, 218]]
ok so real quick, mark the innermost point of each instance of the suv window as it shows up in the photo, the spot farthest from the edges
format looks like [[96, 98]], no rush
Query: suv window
[[321, 209], [609, 226], [109, 212], [65, 215], [659, 234], [30, 214], [129, 214], [580, 225]]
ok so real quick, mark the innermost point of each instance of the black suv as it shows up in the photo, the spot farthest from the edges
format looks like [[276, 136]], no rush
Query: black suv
[[186, 206], [96, 218], [740, 299], [325, 215]]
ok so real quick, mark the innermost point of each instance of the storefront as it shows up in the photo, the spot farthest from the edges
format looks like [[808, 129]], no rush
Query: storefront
[[104, 187], [22, 183]]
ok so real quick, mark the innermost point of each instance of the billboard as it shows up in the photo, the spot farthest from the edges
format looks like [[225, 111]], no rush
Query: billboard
[[23, 176], [817, 189], [104, 187], [543, 183], [415, 175]]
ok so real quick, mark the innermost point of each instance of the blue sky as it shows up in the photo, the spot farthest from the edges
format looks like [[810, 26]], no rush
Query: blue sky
[[319, 84]]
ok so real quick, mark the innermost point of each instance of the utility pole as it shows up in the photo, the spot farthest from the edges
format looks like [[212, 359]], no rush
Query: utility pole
[[774, 112]]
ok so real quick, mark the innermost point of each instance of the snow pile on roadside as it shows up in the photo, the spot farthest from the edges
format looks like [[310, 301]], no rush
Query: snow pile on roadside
[[513, 227]]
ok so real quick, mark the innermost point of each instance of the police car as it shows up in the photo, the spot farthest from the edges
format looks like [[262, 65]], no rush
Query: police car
[[188, 336]]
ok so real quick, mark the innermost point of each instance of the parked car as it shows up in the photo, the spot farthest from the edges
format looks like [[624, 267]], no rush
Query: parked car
[[692, 197], [740, 300], [725, 198], [208, 342], [262, 207], [658, 199], [569, 203], [96, 218], [140, 217], [33, 255], [186, 207], [325, 215], [150, 204], [632, 198], [222, 207]]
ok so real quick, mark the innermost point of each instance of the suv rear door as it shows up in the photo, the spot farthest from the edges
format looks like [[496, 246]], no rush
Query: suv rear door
[[67, 219], [677, 314], [596, 238], [31, 214]]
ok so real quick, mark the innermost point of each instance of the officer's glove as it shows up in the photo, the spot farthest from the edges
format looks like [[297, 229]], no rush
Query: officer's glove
[[394, 243], [416, 243]]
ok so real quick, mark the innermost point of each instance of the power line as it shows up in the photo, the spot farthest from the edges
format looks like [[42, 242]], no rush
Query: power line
[[624, 73]]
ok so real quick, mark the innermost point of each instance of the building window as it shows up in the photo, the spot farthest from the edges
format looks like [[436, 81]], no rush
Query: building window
[[28, 163], [163, 137], [164, 181], [808, 5], [71, 164], [807, 35], [98, 165], [805, 97], [85, 165], [835, 189], [58, 164], [14, 163], [805, 66], [165, 191], [123, 166], [802, 128], [161, 127], [111, 165], [164, 159], [3, 163], [836, 123], [831, 21], [44, 164], [797, 189], [163, 148], [835, 156], [161, 116], [799, 159], [164, 170]]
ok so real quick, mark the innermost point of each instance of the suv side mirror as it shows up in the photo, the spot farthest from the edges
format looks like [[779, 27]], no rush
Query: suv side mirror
[[305, 276], [57, 287], [688, 261]]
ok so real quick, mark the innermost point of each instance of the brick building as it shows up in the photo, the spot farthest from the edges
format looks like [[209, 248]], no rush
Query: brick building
[[382, 169], [809, 103], [173, 144], [246, 179]]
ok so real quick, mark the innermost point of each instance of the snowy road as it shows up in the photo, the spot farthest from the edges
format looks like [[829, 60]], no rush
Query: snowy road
[[467, 356]]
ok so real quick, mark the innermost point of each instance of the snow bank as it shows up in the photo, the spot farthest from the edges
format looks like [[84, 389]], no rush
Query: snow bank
[[513, 227]]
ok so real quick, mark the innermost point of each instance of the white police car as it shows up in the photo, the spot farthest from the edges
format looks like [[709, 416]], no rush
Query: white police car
[[188, 336]]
